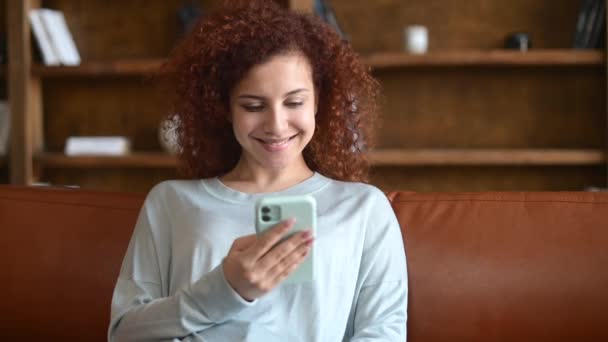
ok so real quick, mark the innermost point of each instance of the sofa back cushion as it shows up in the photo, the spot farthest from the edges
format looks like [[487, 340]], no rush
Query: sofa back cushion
[[506, 266], [61, 251], [482, 267]]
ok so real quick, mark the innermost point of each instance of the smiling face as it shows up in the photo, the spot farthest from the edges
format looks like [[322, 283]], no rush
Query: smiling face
[[273, 112]]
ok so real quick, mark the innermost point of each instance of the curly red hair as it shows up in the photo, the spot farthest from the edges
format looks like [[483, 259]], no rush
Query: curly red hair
[[221, 49]]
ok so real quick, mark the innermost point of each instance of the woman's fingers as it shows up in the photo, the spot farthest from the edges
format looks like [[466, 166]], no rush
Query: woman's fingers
[[253, 266], [289, 264], [284, 249], [271, 238]]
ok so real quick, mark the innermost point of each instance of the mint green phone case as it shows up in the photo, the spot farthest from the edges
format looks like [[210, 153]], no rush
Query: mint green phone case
[[270, 211]]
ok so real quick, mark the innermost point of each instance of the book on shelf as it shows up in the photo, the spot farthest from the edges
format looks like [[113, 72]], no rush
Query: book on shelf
[[53, 36], [5, 127], [591, 23], [599, 26], [43, 39], [324, 10], [98, 146], [187, 15]]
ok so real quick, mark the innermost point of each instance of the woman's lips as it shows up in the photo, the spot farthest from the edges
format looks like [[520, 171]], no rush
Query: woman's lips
[[275, 145]]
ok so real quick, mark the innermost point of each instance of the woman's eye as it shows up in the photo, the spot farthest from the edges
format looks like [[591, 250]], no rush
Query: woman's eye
[[253, 108], [294, 104]]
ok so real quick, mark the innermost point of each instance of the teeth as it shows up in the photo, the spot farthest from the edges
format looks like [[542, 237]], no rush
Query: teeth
[[276, 142]]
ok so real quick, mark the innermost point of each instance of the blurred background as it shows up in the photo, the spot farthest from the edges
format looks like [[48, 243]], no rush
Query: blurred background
[[478, 95]]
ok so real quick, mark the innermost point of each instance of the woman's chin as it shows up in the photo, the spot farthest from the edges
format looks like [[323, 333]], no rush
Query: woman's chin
[[277, 163]]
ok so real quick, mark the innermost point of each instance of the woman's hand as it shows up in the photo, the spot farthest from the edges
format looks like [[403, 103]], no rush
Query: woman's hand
[[253, 267]]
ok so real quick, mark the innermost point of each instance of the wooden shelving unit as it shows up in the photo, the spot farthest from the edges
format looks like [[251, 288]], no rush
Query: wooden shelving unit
[[467, 106]]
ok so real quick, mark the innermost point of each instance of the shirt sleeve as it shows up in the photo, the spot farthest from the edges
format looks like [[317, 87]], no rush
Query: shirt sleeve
[[141, 310], [381, 306]]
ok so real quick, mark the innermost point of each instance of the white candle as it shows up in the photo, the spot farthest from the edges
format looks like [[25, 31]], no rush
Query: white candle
[[416, 39]]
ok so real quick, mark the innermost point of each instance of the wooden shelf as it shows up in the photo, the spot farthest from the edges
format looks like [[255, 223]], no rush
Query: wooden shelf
[[386, 157], [380, 60], [135, 67], [556, 57], [479, 157], [135, 160]]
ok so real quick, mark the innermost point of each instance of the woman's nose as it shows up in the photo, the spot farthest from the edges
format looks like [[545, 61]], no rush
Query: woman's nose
[[276, 121]]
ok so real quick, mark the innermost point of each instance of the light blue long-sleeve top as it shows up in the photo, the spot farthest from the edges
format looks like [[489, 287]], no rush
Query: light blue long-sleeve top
[[171, 286]]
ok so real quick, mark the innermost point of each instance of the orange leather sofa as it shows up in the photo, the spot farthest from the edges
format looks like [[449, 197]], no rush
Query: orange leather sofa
[[482, 266]]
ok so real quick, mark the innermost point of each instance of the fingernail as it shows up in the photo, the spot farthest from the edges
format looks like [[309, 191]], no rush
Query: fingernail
[[290, 221], [307, 234]]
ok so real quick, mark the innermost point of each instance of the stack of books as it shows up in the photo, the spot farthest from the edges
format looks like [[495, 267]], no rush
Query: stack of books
[[54, 39], [591, 25]]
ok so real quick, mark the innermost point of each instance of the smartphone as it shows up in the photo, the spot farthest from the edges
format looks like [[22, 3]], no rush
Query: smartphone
[[270, 211]]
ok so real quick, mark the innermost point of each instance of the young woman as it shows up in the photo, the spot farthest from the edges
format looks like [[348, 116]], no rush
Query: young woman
[[270, 102]]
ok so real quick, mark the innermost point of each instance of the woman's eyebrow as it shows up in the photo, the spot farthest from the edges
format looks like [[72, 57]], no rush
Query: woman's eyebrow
[[295, 91], [257, 97]]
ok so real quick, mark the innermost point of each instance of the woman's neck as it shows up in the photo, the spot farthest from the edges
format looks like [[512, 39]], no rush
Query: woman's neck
[[250, 179]]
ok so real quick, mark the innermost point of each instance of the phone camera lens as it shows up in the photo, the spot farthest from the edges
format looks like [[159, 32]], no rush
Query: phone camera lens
[[265, 218], [265, 210]]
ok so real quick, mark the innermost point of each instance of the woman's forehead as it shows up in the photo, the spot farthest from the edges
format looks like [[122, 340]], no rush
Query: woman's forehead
[[278, 75]]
